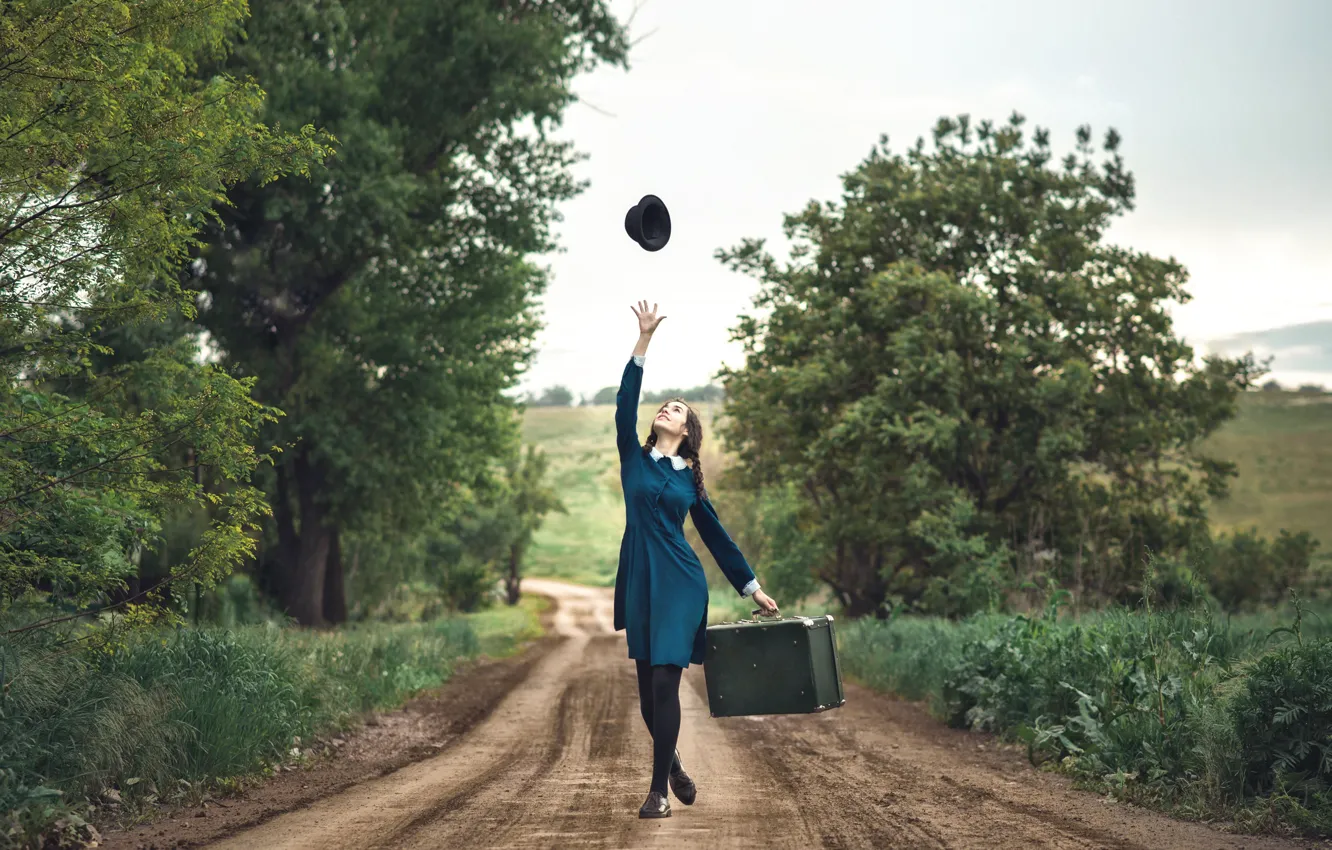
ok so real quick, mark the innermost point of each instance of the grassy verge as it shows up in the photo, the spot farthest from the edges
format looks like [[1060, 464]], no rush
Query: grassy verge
[[503, 630], [175, 714], [1203, 717]]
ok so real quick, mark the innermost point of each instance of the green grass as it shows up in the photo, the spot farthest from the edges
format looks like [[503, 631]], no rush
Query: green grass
[[1282, 445], [179, 711], [503, 630]]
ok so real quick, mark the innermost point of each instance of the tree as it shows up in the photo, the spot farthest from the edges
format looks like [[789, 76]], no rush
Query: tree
[[967, 387], [701, 394], [557, 396], [489, 535], [1272, 386], [112, 154], [605, 395], [528, 499], [386, 306]]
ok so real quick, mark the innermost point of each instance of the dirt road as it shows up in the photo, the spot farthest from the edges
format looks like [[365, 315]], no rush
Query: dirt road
[[563, 761]]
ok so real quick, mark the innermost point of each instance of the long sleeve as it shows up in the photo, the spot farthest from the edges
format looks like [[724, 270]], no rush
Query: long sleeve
[[626, 407], [723, 548]]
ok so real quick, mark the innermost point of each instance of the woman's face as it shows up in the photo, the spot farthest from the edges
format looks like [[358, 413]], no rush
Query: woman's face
[[671, 419]]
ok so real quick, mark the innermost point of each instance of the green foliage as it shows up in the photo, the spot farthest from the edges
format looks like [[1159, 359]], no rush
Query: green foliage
[[490, 537], [1245, 571], [909, 655], [387, 304], [455, 564], [705, 393], [968, 386], [235, 602], [583, 544], [41, 817], [113, 153], [1283, 719], [773, 533], [1175, 708], [172, 709], [502, 630], [527, 497]]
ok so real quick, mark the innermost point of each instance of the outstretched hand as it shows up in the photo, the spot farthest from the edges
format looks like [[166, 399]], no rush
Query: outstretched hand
[[647, 319]]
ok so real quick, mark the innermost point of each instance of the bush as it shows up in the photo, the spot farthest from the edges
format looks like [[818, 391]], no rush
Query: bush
[[1178, 709], [1283, 719], [1114, 697], [236, 602], [1245, 571], [910, 656]]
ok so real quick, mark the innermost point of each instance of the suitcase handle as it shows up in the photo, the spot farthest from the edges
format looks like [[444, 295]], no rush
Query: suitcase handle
[[758, 612]]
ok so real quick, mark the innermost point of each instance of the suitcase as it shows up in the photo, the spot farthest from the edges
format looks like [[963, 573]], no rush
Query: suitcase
[[782, 665]]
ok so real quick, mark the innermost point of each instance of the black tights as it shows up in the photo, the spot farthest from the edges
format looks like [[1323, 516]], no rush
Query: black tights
[[659, 700]]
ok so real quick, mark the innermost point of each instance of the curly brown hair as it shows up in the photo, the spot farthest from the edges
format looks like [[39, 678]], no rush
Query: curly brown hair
[[689, 446]]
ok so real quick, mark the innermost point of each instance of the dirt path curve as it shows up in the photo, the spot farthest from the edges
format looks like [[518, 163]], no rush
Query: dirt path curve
[[563, 762]]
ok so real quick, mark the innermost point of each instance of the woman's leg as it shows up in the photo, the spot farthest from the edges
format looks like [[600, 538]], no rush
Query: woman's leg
[[646, 700], [644, 691], [665, 721]]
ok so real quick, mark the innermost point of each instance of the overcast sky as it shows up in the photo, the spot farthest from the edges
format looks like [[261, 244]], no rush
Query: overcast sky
[[737, 112]]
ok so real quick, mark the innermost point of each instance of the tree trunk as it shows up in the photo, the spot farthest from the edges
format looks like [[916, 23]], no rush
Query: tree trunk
[[857, 580], [278, 566], [305, 580], [512, 580], [335, 594], [302, 581]]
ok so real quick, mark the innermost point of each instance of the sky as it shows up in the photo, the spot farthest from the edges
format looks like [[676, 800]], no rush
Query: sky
[[736, 113]]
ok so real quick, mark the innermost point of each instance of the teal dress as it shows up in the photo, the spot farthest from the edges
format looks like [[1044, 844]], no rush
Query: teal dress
[[661, 594]]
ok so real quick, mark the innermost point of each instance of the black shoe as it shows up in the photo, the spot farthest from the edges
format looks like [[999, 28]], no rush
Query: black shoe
[[681, 785], [656, 806]]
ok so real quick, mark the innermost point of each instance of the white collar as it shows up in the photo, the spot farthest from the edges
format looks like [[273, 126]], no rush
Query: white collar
[[677, 462]]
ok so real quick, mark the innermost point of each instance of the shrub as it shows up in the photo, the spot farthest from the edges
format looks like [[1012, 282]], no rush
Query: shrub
[[1283, 719], [1246, 571], [1179, 709]]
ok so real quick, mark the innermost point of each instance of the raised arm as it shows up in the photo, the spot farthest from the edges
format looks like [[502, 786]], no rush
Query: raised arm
[[723, 548], [626, 406], [631, 382]]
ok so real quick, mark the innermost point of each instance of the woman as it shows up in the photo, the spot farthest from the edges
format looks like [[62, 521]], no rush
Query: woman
[[661, 595]]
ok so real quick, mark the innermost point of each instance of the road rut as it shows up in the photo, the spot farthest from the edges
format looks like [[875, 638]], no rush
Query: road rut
[[564, 761]]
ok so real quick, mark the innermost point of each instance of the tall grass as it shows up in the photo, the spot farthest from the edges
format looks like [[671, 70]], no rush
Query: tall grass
[[173, 710]]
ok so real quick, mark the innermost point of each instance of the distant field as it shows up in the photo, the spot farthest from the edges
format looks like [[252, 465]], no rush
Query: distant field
[[1282, 443], [584, 545]]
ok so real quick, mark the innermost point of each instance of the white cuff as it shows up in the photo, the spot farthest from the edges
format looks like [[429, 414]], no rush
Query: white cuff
[[638, 360], [750, 588]]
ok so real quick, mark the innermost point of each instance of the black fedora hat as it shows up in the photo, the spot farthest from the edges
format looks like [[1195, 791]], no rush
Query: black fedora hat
[[648, 223]]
